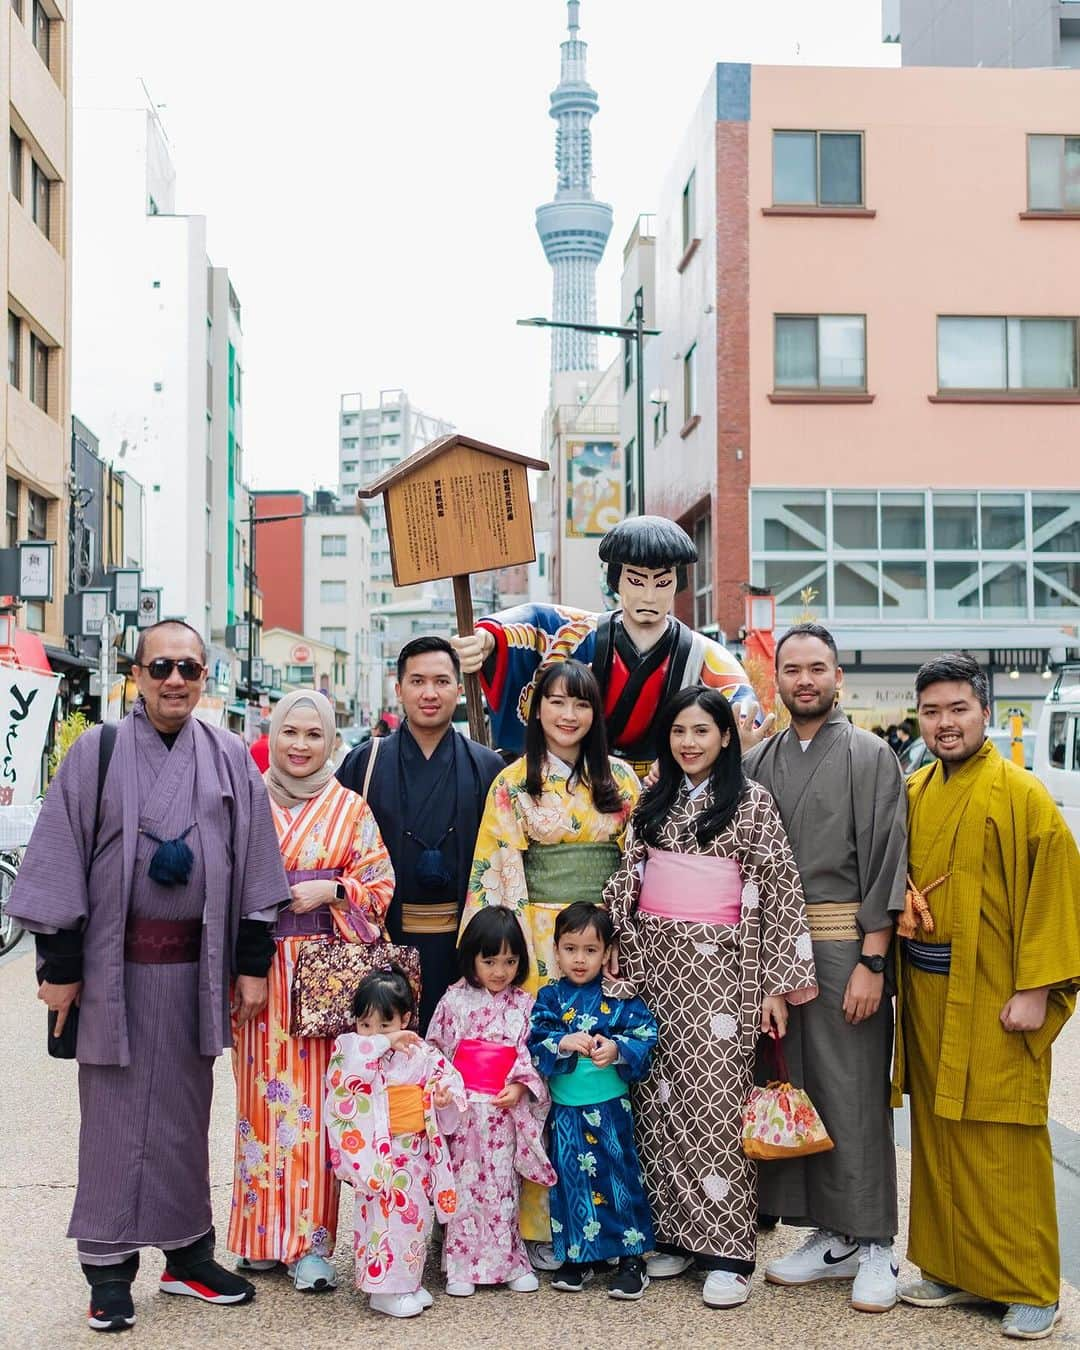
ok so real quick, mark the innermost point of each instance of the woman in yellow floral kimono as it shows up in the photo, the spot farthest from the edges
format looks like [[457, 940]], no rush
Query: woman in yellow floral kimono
[[285, 1197], [552, 833]]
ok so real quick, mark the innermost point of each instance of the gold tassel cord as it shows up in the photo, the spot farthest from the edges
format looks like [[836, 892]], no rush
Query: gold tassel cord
[[916, 913]]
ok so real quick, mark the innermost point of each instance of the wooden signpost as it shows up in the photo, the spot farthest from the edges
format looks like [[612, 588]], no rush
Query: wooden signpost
[[455, 507]]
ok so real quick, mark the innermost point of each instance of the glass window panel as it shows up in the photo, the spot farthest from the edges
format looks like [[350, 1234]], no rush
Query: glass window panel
[[15, 166], [855, 590], [971, 353], [794, 167], [788, 522], [903, 590], [1072, 173], [903, 520], [798, 586], [1044, 173], [1055, 522], [854, 517], [796, 352], [1002, 520], [955, 521], [841, 168], [842, 345], [1057, 589], [1004, 590], [1042, 354], [14, 362], [956, 590]]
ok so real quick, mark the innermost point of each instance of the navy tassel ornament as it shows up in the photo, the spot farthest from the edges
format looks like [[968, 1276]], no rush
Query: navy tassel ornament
[[172, 863]]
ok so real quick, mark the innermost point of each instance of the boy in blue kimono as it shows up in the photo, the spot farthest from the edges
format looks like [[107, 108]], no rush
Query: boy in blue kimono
[[590, 1047]]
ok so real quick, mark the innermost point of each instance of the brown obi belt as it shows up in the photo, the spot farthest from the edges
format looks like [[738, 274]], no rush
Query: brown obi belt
[[834, 922], [442, 918], [162, 942], [406, 1101]]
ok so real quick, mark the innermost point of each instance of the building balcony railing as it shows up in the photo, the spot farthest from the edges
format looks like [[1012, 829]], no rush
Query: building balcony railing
[[587, 418]]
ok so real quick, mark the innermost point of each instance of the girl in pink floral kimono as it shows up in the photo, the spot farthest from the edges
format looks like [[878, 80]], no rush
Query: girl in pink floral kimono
[[482, 1023], [391, 1101]]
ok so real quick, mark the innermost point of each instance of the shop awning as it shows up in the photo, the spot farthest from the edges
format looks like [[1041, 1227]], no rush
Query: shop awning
[[61, 659], [30, 652]]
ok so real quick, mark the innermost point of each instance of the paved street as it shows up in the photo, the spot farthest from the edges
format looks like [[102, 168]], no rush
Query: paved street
[[43, 1297]]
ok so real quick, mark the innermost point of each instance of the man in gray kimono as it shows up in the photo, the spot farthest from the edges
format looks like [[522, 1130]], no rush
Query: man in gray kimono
[[152, 893], [841, 797]]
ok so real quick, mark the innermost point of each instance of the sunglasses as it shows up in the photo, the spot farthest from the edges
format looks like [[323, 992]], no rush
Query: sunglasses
[[161, 667]]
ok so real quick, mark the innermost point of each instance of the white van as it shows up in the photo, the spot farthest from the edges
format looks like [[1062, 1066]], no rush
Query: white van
[[1057, 746]]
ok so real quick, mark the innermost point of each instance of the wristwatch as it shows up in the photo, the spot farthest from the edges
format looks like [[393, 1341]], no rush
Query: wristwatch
[[340, 892], [874, 963]]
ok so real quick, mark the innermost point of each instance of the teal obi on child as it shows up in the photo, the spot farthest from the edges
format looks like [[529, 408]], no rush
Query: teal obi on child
[[587, 1085]]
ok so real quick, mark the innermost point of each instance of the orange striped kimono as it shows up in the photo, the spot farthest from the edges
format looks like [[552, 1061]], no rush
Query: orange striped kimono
[[285, 1195]]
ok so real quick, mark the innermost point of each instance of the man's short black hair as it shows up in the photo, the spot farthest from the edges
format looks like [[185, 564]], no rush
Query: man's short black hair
[[420, 646], [814, 630], [954, 666], [140, 649], [581, 916], [647, 541]]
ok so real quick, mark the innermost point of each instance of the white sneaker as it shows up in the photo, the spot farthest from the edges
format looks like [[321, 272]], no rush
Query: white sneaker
[[424, 1298], [542, 1255], [524, 1284], [725, 1289], [666, 1265], [823, 1256], [875, 1284], [313, 1273], [460, 1288], [396, 1305]]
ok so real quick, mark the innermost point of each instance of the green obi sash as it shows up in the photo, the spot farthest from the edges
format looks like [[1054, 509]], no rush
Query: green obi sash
[[587, 1085], [558, 874]]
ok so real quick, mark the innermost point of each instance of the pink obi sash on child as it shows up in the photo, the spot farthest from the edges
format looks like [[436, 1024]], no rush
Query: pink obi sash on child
[[484, 1065], [691, 887]]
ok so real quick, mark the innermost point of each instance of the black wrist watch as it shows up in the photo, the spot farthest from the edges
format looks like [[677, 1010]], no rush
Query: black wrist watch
[[340, 893], [874, 963]]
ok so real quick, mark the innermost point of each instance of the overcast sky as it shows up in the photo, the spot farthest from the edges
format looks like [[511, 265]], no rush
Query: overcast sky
[[370, 171]]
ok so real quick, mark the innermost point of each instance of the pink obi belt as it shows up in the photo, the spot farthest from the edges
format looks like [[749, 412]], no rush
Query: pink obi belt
[[484, 1065], [691, 887]]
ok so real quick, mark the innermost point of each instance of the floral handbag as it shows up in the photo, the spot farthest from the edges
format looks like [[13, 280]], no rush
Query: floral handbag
[[325, 977], [779, 1121]]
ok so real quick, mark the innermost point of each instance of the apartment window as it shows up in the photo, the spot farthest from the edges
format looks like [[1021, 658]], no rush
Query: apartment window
[[348, 420], [332, 592], [628, 359], [37, 516], [690, 390], [659, 422], [11, 511], [689, 210], [349, 466], [371, 442], [39, 200], [40, 33], [349, 442], [333, 637], [16, 5], [817, 168], [1006, 353], [15, 166], [820, 351], [703, 578], [333, 546], [39, 373], [1053, 173], [14, 351], [391, 440], [300, 675], [393, 415]]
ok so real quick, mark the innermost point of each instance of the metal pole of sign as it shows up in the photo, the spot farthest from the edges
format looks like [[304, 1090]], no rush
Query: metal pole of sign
[[639, 381], [105, 663]]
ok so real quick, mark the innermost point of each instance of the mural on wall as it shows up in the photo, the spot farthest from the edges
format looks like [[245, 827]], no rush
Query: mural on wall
[[594, 488]]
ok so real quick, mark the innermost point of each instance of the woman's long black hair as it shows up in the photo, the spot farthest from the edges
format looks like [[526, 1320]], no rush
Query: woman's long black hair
[[726, 779], [593, 767]]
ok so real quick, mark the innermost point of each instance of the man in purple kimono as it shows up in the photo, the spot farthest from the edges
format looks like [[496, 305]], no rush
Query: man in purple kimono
[[152, 897]]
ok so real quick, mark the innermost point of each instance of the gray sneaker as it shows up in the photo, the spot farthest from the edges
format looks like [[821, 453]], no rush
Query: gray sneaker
[[1024, 1322], [929, 1294]]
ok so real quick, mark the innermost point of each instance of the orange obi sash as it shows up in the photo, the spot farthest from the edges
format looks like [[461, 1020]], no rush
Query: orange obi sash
[[406, 1108]]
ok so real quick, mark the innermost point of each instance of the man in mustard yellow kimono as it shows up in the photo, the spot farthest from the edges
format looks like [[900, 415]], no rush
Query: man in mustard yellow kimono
[[990, 966]]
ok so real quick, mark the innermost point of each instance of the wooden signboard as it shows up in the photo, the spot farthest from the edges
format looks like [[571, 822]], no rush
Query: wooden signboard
[[455, 507]]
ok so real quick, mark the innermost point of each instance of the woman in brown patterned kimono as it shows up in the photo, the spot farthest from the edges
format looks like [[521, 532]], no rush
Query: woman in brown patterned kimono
[[711, 927]]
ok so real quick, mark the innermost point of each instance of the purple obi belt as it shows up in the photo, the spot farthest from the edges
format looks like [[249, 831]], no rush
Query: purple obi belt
[[317, 921], [484, 1065], [691, 887]]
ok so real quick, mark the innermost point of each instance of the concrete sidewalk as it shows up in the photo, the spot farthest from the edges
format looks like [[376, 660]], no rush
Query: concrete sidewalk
[[44, 1297]]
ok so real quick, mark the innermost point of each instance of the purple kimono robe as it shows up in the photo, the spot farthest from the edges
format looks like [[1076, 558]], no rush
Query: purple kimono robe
[[148, 1034]]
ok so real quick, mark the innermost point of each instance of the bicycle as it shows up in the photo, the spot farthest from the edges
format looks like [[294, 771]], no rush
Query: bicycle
[[11, 930], [16, 825]]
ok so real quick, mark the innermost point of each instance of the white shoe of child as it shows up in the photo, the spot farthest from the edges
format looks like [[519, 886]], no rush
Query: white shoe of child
[[524, 1284], [425, 1298], [396, 1305], [460, 1288]]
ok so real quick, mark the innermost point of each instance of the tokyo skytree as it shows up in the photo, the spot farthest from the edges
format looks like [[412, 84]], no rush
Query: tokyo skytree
[[573, 228]]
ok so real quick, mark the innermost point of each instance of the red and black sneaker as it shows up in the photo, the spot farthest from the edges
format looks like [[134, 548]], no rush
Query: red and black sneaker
[[111, 1308], [208, 1281]]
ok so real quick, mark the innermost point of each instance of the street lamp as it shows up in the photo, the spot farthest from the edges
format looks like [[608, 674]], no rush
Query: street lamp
[[635, 334]]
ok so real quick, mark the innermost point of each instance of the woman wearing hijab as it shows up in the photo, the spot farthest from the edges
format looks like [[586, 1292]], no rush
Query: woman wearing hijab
[[285, 1195]]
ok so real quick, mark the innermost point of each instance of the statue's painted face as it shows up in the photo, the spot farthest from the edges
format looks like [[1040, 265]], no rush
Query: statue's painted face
[[647, 594]]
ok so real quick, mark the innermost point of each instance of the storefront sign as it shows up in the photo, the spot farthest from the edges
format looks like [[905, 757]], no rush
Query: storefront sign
[[26, 706]]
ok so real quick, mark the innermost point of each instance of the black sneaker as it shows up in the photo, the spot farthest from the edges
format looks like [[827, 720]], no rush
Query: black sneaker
[[571, 1278], [206, 1280], [111, 1308], [630, 1281]]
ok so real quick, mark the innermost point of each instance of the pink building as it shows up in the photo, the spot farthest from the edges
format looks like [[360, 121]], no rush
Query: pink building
[[866, 387]]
